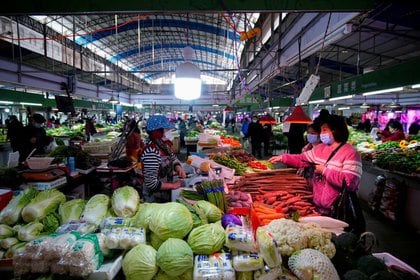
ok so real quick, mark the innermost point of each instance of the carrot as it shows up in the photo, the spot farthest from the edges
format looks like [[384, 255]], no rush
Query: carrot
[[292, 200], [273, 216]]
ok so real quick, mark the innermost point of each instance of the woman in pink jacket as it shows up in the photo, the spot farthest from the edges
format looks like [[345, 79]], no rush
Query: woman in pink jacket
[[335, 161]]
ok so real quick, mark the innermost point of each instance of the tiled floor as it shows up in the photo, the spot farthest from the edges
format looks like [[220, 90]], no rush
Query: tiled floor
[[397, 240]]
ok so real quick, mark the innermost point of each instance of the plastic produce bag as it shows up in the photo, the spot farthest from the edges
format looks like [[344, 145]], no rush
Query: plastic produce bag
[[217, 266], [268, 248], [239, 238], [245, 261], [124, 237]]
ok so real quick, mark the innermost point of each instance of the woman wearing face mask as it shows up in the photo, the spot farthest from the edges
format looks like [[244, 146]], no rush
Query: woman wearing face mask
[[396, 132], [335, 161], [312, 136], [35, 137], [159, 163]]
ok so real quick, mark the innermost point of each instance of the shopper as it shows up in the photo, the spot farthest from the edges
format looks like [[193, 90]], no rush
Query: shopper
[[14, 133], [414, 128], [35, 137], [312, 136], [255, 133], [134, 144], [159, 163], [334, 161], [295, 139], [267, 134], [396, 132], [182, 126], [90, 129], [244, 128]]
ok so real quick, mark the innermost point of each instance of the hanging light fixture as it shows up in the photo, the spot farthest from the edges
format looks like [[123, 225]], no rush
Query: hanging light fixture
[[365, 105], [187, 78], [298, 116], [228, 109], [113, 100]]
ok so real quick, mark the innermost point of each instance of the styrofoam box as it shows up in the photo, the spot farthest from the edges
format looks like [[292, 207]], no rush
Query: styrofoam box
[[108, 270], [389, 260]]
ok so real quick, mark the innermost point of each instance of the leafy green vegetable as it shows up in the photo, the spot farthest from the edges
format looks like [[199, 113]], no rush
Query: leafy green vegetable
[[268, 248], [231, 162], [155, 241], [10, 215], [15, 250], [207, 239], [43, 204], [96, 209], [144, 214], [140, 263], [171, 219], [188, 275], [71, 210], [51, 222], [30, 231], [212, 212], [8, 242], [388, 145], [6, 231], [125, 201], [175, 257], [82, 159]]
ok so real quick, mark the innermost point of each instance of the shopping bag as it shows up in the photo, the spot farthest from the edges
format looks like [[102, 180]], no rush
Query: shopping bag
[[347, 208]]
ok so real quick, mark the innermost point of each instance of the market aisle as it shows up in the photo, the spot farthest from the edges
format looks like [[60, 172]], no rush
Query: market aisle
[[398, 241]]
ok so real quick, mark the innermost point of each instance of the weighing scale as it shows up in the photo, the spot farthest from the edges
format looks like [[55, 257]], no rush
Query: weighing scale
[[45, 179]]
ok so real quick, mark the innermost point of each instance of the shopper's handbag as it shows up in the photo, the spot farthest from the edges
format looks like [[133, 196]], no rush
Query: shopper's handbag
[[347, 208]]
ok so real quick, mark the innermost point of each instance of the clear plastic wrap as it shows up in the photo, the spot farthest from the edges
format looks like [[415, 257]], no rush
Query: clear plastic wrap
[[79, 226], [216, 266], [59, 246], [113, 222], [59, 267], [124, 237], [268, 273], [245, 261], [240, 238], [267, 248], [21, 265]]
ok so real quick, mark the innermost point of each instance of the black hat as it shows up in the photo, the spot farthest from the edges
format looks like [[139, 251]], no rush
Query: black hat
[[38, 118]]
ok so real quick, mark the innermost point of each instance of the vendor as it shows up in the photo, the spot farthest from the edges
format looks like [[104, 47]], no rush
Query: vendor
[[134, 144], [334, 161], [159, 162], [35, 137], [395, 133]]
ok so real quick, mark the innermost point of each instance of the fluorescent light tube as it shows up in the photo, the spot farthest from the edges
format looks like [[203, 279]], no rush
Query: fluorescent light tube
[[383, 91], [6, 102], [415, 86], [317, 101], [343, 108], [30, 104], [341, 97]]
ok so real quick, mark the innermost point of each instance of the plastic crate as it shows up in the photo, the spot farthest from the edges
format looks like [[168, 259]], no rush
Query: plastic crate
[[5, 196]]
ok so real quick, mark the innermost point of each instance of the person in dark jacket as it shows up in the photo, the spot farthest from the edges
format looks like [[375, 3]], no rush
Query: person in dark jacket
[[295, 139], [266, 137], [255, 130], [35, 137], [14, 133]]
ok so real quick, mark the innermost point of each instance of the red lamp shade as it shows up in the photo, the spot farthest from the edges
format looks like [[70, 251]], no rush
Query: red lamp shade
[[267, 119], [228, 109], [298, 116]]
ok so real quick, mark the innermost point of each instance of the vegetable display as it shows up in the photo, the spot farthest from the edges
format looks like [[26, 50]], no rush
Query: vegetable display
[[140, 263], [230, 162], [43, 204], [96, 209], [309, 264], [213, 191], [175, 257], [71, 210], [407, 161], [125, 201], [207, 239], [239, 199]]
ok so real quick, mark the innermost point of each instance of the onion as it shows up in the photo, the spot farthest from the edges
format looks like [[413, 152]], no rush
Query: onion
[[230, 219]]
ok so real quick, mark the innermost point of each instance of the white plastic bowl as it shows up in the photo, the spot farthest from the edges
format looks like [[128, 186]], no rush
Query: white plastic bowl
[[39, 162]]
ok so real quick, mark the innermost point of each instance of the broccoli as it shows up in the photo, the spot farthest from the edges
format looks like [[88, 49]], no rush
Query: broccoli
[[383, 275], [346, 240], [355, 275], [370, 265]]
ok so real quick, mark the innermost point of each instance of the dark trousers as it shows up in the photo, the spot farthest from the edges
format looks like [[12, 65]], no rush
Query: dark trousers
[[256, 148], [266, 147]]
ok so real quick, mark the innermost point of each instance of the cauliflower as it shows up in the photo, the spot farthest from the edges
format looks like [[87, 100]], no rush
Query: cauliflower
[[309, 264], [288, 234], [319, 239]]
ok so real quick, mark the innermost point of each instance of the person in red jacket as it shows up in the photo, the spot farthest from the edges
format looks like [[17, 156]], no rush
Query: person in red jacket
[[396, 132]]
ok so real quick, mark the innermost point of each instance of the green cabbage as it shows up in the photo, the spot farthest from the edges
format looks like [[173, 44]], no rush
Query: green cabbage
[[188, 275], [144, 213], [213, 213], [140, 263], [10, 215], [125, 201], [175, 257], [30, 231], [6, 231], [171, 219], [245, 275], [51, 222], [155, 241], [44, 203], [207, 239], [96, 209], [71, 210]]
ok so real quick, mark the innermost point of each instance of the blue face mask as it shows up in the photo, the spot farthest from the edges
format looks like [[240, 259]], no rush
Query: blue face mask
[[326, 139], [37, 125], [312, 138]]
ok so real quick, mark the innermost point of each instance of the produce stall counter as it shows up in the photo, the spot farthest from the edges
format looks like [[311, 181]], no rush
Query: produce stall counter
[[411, 211]]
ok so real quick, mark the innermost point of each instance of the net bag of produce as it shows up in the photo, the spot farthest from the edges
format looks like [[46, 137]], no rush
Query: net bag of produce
[[216, 266]]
